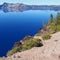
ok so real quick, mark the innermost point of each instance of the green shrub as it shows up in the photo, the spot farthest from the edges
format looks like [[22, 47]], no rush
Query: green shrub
[[31, 43], [46, 36], [14, 50], [58, 28], [28, 44], [52, 32]]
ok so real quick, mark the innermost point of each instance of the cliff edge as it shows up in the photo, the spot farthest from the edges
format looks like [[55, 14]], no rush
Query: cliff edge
[[50, 51]]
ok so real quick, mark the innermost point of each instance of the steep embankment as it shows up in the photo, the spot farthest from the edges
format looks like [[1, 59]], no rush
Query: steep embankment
[[50, 51]]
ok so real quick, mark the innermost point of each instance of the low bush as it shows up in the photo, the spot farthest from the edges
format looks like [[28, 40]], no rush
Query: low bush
[[31, 43], [28, 44], [46, 36], [14, 50]]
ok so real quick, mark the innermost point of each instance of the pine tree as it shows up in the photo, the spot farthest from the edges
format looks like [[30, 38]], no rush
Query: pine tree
[[51, 18]]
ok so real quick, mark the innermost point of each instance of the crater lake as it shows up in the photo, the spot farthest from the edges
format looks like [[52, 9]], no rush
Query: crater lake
[[14, 26]]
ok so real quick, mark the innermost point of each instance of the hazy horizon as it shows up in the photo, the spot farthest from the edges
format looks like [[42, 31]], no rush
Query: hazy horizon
[[33, 2]]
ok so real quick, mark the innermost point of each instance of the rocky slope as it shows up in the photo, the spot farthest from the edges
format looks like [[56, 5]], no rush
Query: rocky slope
[[50, 51]]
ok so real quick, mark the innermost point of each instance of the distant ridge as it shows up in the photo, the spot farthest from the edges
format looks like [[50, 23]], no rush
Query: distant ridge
[[20, 7]]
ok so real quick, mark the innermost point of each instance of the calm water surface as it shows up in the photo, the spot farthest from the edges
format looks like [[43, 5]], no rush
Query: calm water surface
[[14, 26]]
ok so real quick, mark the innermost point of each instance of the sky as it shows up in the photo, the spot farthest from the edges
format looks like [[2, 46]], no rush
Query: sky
[[33, 2]]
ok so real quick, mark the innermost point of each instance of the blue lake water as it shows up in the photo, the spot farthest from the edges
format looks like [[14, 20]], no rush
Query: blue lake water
[[14, 26]]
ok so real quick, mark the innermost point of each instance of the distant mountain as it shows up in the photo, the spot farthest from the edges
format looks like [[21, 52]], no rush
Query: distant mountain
[[19, 7]]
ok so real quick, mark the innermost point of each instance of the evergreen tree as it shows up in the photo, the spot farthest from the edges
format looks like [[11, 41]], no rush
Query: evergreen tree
[[51, 18]]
